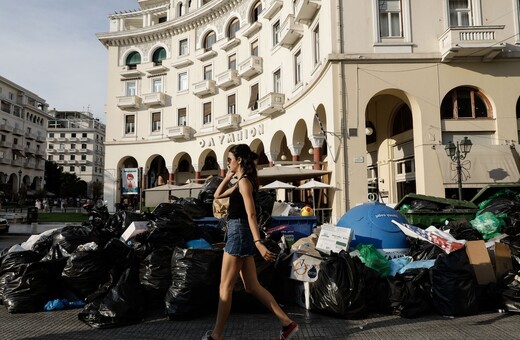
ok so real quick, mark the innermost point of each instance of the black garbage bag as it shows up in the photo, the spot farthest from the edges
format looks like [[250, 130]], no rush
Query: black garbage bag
[[86, 270], [245, 302], [195, 283], [155, 275], [44, 243], [10, 264], [510, 296], [67, 239], [264, 207], [453, 285], [193, 207], [31, 285], [463, 230], [119, 256], [339, 289], [422, 250], [123, 304], [154, 238], [409, 293], [376, 288]]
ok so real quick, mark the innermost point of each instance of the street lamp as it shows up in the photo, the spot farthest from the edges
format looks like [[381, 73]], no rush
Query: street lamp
[[458, 152], [19, 179]]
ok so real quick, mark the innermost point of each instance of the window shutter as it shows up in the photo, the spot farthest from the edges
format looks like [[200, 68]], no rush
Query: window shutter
[[254, 95]]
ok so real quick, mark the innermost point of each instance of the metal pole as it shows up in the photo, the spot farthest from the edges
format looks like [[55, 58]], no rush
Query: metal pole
[[140, 175], [459, 171]]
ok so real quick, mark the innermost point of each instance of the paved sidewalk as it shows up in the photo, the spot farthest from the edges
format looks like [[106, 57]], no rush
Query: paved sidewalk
[[36, 228]]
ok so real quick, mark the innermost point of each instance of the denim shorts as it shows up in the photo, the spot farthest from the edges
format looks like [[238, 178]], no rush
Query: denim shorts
[[239, 238]]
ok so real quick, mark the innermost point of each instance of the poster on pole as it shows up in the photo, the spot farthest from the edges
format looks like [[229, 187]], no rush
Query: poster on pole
[[130, 181]]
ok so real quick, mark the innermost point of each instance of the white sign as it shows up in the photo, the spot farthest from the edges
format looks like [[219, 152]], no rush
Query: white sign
[[333, 238]]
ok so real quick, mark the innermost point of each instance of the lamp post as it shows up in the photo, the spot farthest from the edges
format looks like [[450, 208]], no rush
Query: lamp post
[[19, 180], [458, 152]]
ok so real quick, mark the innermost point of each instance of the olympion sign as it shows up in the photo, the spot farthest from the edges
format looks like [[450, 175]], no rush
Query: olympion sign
[[234, 137]]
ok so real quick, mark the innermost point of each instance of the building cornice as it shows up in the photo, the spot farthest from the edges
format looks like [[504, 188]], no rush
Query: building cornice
[[198, 18]]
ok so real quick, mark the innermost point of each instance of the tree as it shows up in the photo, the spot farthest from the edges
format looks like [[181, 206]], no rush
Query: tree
[[97, 190], [53, 177]]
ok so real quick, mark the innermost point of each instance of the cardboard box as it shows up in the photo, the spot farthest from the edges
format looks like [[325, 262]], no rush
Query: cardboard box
[[133, 229], [334, 239], [503, 260], [304, 267], [480, 262]]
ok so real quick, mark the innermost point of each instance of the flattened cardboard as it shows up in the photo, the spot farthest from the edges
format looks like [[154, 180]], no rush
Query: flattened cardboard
[[480, 262], [503, 261], [333, 238]]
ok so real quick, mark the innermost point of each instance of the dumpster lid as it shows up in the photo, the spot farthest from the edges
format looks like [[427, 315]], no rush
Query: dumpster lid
[[491, 189], [443, 203]]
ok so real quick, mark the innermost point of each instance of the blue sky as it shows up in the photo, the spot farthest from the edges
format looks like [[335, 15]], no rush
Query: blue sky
[[50, 48]]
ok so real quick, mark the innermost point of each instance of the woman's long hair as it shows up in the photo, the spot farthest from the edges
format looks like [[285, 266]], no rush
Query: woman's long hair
[[248, 162]]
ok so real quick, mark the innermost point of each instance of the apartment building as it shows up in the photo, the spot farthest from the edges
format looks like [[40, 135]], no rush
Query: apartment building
[[23, 125], [370, 91], [76, 142]]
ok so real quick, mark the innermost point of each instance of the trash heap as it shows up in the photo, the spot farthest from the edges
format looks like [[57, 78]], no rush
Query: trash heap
[[118, 268]]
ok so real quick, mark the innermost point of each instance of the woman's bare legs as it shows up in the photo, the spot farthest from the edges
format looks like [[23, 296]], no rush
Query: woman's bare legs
[[231, 266], [252, 286]]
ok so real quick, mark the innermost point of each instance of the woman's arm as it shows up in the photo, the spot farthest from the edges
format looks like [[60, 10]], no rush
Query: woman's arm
[[221, 191]]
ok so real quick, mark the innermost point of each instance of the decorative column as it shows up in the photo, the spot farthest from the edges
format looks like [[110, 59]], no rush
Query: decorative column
[[296, 150], [196, 167], [223, 169], [317, 143], [271, 156], [171, 175]]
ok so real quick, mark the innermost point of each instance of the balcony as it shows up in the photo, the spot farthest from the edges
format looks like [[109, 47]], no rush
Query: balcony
[[5, 160], [272, 8], [30, 163], [18, 147], [6, 127], [40, 152], [290, 32], [61, 150], [227, 122], [17, 162], [40, 138], [156, 69], [481, 42], [128, 72], [30, 135], [233, 42], [228, 79], [74, 139], [182, 63], [5, 144], [305, 10], [83, 150], [18, 131], [51, 151], [61, 161], [40, 165], [129, 102], [84, 139], [62, 139], [82, 162], [271, 104], [154, 99], [251, 29], [204, 88], [30, 150], [179, 132], [251, 67], [202, 54]]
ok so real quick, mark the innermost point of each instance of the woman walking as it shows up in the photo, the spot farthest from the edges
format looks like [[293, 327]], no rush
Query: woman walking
[[243, 237]]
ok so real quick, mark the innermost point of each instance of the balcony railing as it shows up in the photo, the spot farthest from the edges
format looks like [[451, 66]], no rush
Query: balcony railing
[[6, 127], [179, 132], [251, 67], [154, 99], [204, 88], [251, 29], [6, 144], [305, 10], [18, 131], [271, 104], [272, 8], [129, 102], [228, 122], [290, 32], [483, 42], [228, 79]]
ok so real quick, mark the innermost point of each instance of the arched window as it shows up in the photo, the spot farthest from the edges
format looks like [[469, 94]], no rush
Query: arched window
[[464, 102], [370, 131], [518, 108], [184, 166], [210, 163], [209, 40], [179, 9], [402, 120], [133, 60], [255, 12], [158, 56], [233, 27]]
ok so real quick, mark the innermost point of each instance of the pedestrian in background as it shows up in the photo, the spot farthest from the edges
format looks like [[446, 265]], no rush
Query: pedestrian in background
[[243, 236]]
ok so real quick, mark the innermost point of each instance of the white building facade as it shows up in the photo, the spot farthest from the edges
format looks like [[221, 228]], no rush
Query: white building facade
[[76, 142], [370, 91], [23, 126]]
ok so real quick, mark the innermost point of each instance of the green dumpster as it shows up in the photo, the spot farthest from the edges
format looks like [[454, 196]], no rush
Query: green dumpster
[[489, 190], [32, 215], [424, 211]]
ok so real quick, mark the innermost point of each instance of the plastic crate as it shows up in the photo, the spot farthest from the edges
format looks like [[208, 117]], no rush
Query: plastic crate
[[445, 209], [293, 227]]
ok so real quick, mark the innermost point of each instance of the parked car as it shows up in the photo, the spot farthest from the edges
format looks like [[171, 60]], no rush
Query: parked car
[[4, 225]]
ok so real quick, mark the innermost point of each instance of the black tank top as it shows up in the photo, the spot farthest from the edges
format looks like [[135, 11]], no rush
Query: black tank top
[[237, 208]]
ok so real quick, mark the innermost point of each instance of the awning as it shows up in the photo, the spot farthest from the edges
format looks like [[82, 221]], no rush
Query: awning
[[287, 174], [485, 164]]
